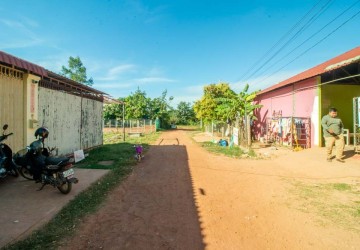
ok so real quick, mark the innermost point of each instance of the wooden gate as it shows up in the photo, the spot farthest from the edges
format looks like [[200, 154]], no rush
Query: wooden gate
[[12, 105]]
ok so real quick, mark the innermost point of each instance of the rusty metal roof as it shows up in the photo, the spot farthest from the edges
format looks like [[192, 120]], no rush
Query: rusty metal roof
[[69, 81], [111, 100], [22, 64], [342, 60]]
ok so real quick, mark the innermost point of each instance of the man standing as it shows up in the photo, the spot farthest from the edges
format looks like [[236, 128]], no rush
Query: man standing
[[333, 129]]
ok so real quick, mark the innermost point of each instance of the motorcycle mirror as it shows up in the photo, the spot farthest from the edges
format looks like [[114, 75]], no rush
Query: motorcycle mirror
[[5, 127]]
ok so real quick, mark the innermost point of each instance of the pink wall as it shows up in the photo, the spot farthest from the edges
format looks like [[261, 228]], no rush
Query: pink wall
[[301, 104]]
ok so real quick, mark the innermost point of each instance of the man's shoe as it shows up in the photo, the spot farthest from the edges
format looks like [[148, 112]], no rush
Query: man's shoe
[[340, 160]]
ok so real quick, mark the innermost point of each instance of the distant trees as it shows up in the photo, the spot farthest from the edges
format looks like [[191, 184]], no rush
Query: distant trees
[[184, 114], [139, 106], [76, 71]]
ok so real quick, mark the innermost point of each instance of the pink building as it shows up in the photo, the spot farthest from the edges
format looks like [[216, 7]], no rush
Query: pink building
[[292, 109]]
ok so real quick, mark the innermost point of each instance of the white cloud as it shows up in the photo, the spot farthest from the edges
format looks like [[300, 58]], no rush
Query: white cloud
[[121, 69], [114, 73], [113, 85], [22, 34], [29, 22], [154, 80], [54, 62]]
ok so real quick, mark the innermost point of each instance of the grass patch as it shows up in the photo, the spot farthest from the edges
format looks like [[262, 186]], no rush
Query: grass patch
[[341, 186], [336, 203], [234, 152], [71, 215]]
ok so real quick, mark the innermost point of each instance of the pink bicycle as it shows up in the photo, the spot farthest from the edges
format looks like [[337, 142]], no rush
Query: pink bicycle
[[138, 150]]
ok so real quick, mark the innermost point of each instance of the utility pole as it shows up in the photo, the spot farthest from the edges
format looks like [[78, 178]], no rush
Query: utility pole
[[123, 120]]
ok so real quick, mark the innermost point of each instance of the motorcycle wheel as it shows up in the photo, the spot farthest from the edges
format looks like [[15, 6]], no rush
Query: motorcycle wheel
[[24, 172], [65, 188]]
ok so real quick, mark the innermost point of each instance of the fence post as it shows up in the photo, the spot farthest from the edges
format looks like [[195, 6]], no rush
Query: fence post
[[212, 128], [248, 130]]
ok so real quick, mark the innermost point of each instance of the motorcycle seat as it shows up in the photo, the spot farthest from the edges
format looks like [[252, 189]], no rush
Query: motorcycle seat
[[56, 160]]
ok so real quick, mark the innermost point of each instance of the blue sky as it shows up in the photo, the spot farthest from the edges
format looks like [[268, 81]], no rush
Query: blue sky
[[175, 45]]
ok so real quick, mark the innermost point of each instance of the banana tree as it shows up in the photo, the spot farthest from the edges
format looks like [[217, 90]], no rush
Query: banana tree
[[241, 105]]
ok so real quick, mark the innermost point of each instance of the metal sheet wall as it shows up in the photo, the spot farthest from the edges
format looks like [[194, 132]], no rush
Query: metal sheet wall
[[91, 133], [12, 106], [73, 121]]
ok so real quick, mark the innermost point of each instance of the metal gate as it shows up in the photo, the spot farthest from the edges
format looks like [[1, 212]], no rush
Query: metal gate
[[356, 108], [12, 105]]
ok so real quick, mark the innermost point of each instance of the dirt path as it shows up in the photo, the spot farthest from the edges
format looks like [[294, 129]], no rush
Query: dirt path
[[182, 197]]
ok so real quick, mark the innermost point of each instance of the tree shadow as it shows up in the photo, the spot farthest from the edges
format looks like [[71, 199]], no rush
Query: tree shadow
[[170, 200], [187, 129]]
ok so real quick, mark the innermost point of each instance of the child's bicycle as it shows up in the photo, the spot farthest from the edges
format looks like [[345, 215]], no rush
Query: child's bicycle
[[138, 150]]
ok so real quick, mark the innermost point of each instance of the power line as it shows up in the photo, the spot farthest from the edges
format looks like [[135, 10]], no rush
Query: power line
[[305, 26], [280, 40], [307, 50], [314, 34]]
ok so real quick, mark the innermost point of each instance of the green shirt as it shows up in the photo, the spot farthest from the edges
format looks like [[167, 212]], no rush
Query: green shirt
[[334, 124]]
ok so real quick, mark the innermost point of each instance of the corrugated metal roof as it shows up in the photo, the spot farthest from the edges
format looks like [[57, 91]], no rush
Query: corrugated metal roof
[[22, 64], [332, 64], [69, 81]]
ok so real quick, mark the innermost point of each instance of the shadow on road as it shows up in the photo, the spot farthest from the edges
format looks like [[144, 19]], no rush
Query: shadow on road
[[155, 208], [174, 192]]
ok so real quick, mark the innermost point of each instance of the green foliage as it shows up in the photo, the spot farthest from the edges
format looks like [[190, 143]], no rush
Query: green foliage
[[137, 105], [113, 111], [241, 104], [206, 107], [76, 71], [184, 114], [234, 152], [160, 106], [221, 103]]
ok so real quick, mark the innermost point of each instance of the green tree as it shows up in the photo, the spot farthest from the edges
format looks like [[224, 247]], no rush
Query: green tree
[[185, 113], [137, 105], [241, 104], [113, 111], [206, 107], [76, 71], [160, 108]]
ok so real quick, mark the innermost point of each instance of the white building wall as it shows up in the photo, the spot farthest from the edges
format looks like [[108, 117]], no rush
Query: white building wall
[[73, 121]]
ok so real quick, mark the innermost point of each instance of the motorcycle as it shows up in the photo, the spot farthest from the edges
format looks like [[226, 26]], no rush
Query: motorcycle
[[36, 163], [7, 165]]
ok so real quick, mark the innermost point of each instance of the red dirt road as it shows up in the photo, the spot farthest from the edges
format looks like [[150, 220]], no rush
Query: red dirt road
[[182, 197]]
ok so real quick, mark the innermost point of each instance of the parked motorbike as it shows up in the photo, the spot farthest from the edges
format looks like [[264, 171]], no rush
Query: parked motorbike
[[7, 165], [36, 163]]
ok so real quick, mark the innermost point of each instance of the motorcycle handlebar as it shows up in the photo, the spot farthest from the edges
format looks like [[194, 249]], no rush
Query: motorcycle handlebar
[[3, 137]]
